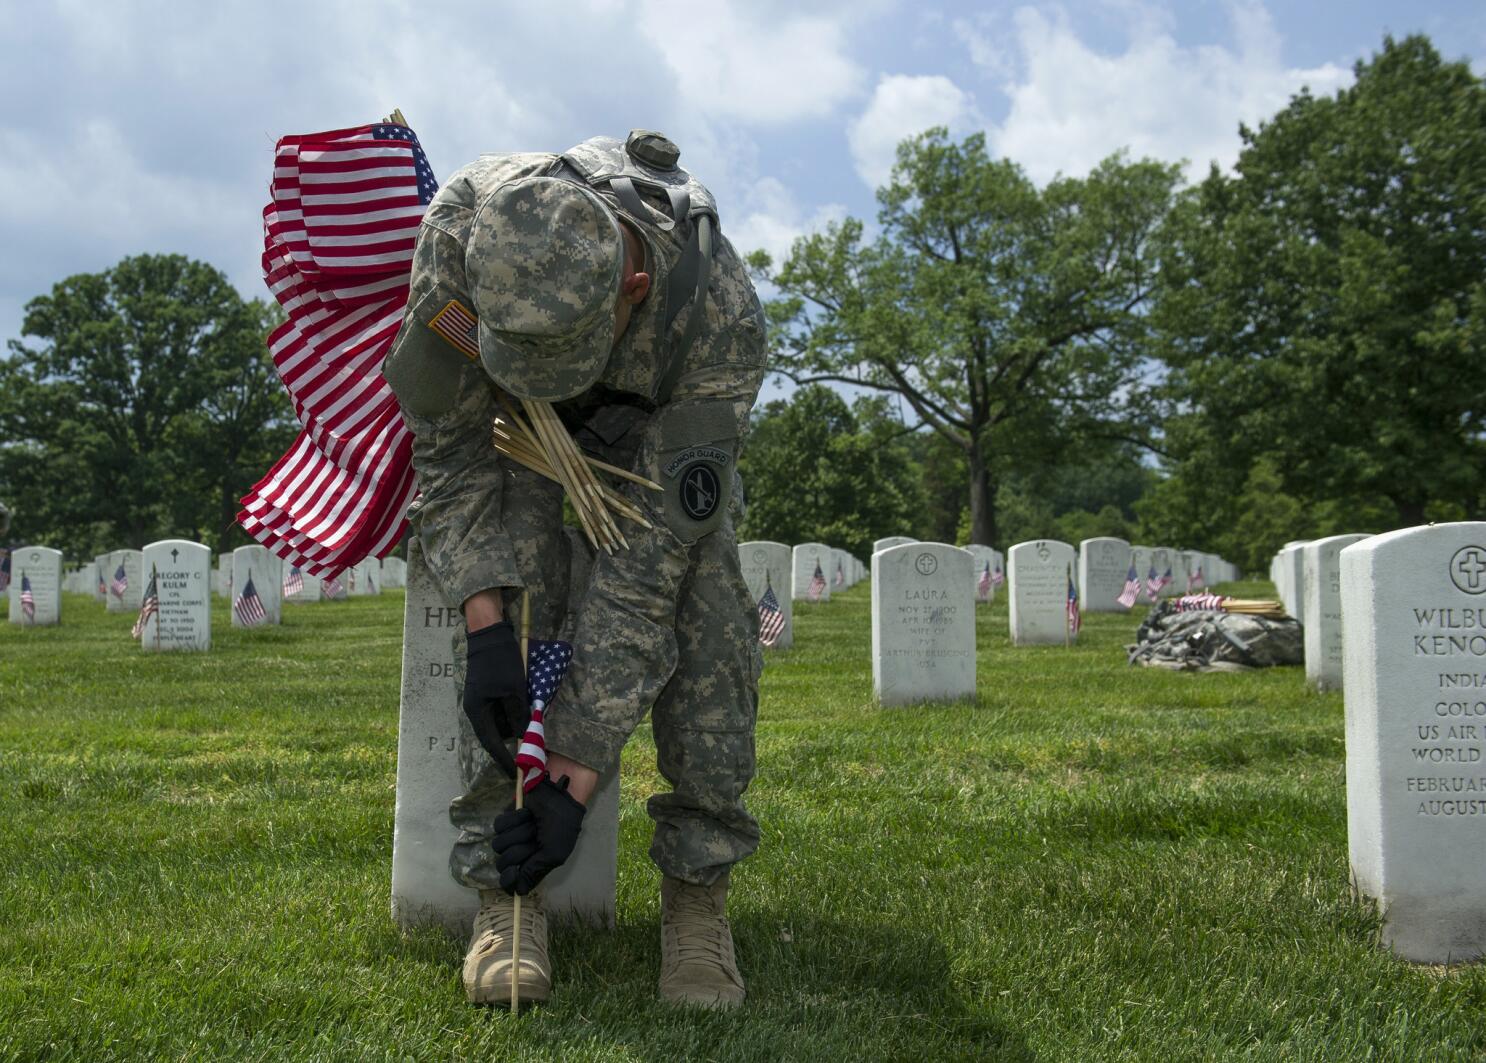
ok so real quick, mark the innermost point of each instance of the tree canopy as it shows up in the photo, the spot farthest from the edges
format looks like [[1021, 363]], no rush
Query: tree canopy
[[143, 406]]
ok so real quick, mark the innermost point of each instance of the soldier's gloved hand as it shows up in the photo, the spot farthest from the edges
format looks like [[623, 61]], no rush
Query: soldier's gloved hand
[[531, 842], [495, 690]]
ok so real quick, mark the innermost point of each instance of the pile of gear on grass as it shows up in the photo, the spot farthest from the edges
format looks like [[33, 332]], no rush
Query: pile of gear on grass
[[1215, 633]]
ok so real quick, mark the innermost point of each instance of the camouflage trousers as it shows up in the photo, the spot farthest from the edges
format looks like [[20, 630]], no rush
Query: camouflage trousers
[[702, 719]]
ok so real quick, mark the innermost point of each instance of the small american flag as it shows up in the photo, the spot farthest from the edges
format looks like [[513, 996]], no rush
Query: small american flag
[[1075, 618], [4, 569], [986, 582], [102, 583], [351, 580], [28, 600], [1188, 603], [293, 582], [840, 575], [546, 663], [817, 584], [1152, 582], [120, 584], [1195, 582], [998, 577], [147, 608], [248, 607], [338, 249], [1132, 588], [770, 617], [333, 588]]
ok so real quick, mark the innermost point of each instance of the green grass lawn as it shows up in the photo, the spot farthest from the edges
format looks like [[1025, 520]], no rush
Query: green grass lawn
[[1090, 862]]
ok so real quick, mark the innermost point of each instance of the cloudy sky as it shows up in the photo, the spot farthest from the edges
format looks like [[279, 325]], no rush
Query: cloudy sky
[[132, 126]]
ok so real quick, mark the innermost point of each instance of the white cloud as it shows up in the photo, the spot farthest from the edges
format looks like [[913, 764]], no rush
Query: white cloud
[[760, 63], [772, 219], [902, 106], [1071, 105]]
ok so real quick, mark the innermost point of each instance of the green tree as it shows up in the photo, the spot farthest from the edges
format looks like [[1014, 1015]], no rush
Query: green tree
[[1325, 304], [998, 310], [817, 470], [143, 396]]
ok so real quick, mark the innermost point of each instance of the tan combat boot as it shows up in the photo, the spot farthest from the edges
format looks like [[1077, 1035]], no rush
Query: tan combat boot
[[697, 965], [487, 964]]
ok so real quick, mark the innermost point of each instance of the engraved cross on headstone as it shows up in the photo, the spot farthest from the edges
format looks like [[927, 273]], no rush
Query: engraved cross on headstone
[[1469, 570], [175, 556]]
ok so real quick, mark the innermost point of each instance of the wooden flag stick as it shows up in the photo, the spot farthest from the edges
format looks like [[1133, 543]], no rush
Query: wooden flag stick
[[520, 795]]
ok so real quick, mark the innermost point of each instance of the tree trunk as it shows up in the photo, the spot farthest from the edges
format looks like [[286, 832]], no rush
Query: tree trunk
[[982, 498]]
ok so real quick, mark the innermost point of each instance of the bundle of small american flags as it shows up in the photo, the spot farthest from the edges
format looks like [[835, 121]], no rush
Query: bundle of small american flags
[[770, 617], [338, 247], [546, 663], [1188, 603], [248, 606]]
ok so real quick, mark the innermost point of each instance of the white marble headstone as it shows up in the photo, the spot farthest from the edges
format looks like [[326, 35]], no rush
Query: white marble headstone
[[182, 571], [394, 572], [429, 776], [1322, 623], [1103, 565], [890, 542], [1414, 668], [224, 575], [265, 570], [126, 600], [923, 624], [769, 564], [807, 557], [1037, 576], [40, 567]]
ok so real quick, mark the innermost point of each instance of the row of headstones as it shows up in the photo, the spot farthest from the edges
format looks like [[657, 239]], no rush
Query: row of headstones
[[183, 575], [1307, 576]]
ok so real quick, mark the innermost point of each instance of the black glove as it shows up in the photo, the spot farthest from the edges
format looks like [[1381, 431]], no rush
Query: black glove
[[531, 842], [495, 690]]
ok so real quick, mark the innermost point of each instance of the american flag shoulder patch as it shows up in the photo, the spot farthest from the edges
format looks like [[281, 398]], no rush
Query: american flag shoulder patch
[[458, 327]]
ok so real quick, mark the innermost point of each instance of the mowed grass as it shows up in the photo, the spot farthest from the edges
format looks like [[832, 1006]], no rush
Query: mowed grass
[[1089, 862]]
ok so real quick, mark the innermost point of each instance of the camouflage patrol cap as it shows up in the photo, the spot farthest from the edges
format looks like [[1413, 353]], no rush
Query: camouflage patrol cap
[[544, 261]]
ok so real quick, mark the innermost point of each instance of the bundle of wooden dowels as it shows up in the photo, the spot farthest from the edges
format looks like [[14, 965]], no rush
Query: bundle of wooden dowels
[[539, 442]]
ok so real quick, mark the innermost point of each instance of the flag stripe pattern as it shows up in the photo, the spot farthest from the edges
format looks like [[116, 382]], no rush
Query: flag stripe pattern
[[120, 583], [293, 581], [147, 608], [1132, 588], [1075, 618], [985, 583], [817, 584], [28, 600], [546, 663], [770, 618], [999, 576], [1193, 602], [338, 246], [248, 607]]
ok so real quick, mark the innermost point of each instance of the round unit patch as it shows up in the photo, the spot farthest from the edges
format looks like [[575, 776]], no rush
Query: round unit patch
[[700, 491]]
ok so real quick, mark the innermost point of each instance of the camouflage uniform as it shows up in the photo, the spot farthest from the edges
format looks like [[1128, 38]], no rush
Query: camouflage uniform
[[666, 626]]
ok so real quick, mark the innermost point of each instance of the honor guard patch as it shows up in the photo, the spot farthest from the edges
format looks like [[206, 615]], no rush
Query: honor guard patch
[[459, 327]]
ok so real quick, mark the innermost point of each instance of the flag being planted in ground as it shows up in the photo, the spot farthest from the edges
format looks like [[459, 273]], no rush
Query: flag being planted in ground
[[120, 583], [817, 584], [770, 617], [248, 607], [338, 240], [546, 663], [28, 600], [147, 608], [293, 582], [1132, 588]]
